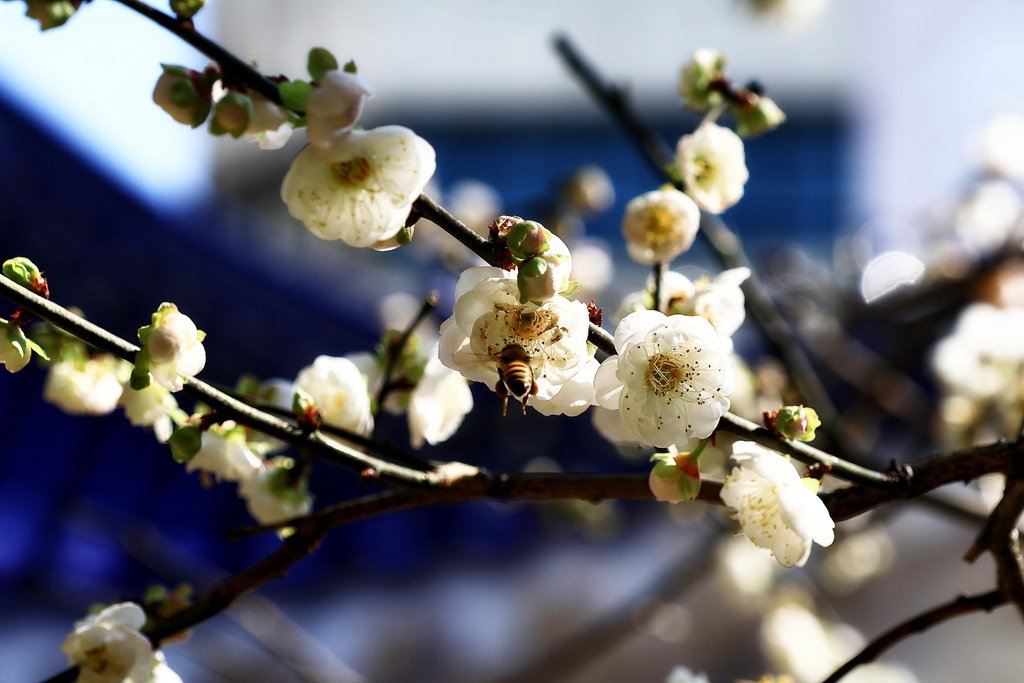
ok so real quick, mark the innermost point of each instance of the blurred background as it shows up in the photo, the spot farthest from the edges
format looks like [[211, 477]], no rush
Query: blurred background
[[123, 209]]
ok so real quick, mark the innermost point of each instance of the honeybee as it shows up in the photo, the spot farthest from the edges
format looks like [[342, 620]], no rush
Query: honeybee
[[515, 376]]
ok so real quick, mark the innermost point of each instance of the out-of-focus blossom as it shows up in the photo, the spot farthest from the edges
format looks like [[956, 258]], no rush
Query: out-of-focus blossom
[[712, 164], [271, 496], [659, 225], [999, 146], [700, 71], [86, 386], [438, 404], [108, 647], [225, 454], [989, 216], [334, 106]]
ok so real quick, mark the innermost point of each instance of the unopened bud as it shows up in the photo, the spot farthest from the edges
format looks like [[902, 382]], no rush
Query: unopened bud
[[675, 478], [231, 115], [185, 442], [760, 116], [183, 94], [186, 9], [23, 272], [51, 13], [703, 69], [797, 423], [528, 239]]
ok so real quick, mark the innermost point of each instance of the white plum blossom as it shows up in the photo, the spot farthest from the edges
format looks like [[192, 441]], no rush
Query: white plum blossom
[[989, 216], [982, 358], [108, 647], [153, 406], [360, 189], [225, 454], [671, 379], [576, 394], [160, 670], [704, 66], [488, 317], [334, 106], [659, 225], [86, 386], [610, 426], [340, 393], [720, 301], [270, 498], [269, 125], [593, 266], [713, 167], [675, 288], [173, 347], [438, 404], [777, 508], [799, 643]]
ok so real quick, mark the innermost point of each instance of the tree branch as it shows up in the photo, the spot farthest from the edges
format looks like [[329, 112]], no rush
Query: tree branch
[[963, 604]]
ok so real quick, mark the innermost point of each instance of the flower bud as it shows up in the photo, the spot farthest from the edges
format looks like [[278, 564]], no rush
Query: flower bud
[[797, 423], [675, 477], [705, 67], [758, 117], [231, 115], [51, 13], [23, 272], [184, 94], [528, 239], [185, 443], [334, 106], [186, 9]]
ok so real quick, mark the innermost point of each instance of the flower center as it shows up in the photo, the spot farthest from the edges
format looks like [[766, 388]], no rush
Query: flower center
[[352, 172], [665, 373], [660, 225], [704, 172]]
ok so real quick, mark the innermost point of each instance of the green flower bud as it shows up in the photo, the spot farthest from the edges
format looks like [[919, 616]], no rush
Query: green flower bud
[[527, 239], [675, 477], [704, 68], [183, 94], [231, 115], [186, 9], [22, 271], [760, 116], [797, 423], [51, 13]]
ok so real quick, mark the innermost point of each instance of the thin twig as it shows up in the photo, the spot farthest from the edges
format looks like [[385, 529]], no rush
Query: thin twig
[[228, 407], [964, 604], [597, 638], [394, 352], [233, 69]]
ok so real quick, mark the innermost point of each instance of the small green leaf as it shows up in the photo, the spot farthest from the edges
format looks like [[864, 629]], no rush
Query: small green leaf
[[320, 62], [294, 94], [350, 67]]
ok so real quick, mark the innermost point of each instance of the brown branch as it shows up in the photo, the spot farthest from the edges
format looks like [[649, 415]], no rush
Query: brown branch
[[225, 405], [962, 605], [233, 69], [921, 476], [1001, 537]]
